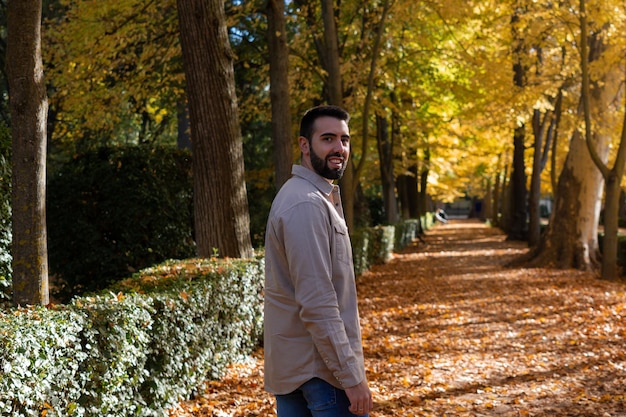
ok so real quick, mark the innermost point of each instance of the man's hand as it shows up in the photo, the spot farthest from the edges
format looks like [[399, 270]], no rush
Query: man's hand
[[360, 398]]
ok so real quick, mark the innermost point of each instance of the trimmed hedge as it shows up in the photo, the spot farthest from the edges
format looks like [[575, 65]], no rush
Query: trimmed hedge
[[137, 352], [375, 245]]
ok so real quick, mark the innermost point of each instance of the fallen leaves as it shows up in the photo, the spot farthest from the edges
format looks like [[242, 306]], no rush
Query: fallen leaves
[[450, 331]]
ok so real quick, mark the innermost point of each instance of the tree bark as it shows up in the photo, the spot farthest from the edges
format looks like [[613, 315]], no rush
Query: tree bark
[[504, 201], [279, 91], [516, 227], [385, 156], [543, 130], [331, 41], [496, 195], [610, 270], [424, 172], [28, 107], [333, 83], [402, 184], [607, 87], [571, 239], [487, 213], [408, 193], [220, 204]]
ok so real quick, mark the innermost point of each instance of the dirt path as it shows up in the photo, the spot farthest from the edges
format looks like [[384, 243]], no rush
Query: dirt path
[[449, 331]]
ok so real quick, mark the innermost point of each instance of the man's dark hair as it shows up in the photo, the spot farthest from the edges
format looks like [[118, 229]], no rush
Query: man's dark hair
[[308, 120]]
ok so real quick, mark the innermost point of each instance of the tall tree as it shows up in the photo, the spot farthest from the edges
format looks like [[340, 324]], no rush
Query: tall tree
[[385, 143], [611, 82], [571, 239], [279, 90], [28, 107], [353, 171], [392, 210], [220, 202], [544, 128], [329, 56], [517, 228]]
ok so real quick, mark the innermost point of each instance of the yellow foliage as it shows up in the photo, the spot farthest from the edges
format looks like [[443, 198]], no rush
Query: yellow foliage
[[113, 63], [445, 72]]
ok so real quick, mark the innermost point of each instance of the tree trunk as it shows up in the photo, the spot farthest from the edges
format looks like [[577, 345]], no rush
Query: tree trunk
[[414, 194], [333, 81], [543, 130], [279, 91], [28, 106], [220, 203], [403, 195], [422, 204], [605, 92], [505, 192], [518, 225], [610, 270], [571, 239], [385, 157], [487, 213], [497, 194], [534, 223], [406, 200], [333, 84], [408, 193]]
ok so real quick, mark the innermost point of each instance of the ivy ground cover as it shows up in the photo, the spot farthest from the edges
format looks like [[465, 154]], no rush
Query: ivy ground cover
[[450, 330]]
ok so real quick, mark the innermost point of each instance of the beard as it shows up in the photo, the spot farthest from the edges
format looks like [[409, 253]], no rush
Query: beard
[[321, 166]]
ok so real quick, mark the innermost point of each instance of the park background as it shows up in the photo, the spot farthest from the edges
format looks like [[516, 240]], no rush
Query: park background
[[138, 131]]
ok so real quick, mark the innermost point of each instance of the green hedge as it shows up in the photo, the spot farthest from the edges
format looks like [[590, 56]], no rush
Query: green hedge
[[136, 352], [375, 245], [116, 210]]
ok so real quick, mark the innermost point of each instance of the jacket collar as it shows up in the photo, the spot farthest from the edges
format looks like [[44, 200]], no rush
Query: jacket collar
[[314, 178]]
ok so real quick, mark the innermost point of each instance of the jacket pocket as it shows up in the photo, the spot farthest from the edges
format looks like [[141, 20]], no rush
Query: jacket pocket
[[342, 243]]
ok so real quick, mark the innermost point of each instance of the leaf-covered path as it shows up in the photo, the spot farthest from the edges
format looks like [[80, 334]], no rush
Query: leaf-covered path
[[450, 331]]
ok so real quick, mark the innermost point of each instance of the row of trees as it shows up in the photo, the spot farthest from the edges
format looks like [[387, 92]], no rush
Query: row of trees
[[507, 101], [221, 223]]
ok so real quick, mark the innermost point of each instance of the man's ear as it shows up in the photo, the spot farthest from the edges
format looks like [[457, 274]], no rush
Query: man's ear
[[304, 145]]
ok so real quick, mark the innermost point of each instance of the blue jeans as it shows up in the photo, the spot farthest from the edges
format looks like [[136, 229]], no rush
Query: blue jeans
[[315, 398]]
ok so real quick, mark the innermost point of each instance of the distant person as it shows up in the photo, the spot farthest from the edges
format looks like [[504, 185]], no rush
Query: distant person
[[314, 361], [441, 215]]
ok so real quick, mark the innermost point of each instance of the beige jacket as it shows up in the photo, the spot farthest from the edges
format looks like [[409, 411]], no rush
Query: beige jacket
[[311, 317]]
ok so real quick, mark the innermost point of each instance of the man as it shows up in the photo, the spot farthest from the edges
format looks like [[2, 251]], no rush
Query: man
[[313, 353]]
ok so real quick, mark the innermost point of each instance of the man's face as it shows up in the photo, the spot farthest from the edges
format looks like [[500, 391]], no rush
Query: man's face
[[329, 148]]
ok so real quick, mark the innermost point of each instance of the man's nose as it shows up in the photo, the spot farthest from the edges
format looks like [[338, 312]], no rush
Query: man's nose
[[339, 146]]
